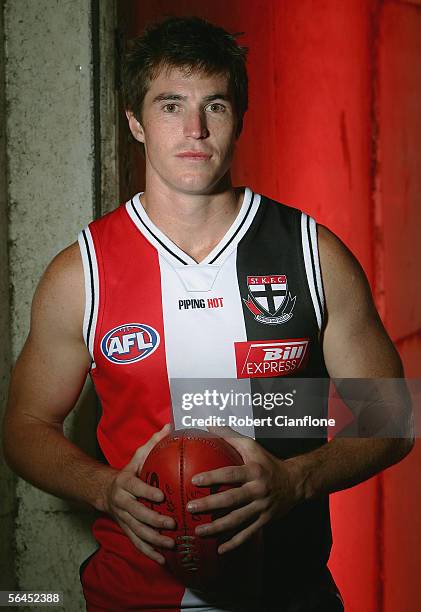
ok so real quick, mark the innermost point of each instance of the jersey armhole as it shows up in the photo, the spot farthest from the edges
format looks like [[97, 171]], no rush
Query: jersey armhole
[[312, 266], [90, 272]]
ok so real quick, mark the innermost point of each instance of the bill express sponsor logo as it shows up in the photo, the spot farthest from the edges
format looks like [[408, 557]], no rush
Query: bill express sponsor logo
[[129, 343], [270, 357]]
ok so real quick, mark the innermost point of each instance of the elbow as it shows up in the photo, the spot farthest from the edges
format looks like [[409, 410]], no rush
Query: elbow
[[13, 441], [7, 444], [408, 440], [403, 446], [410, 443]]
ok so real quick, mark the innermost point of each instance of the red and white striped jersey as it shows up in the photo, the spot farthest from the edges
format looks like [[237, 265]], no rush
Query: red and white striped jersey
[[250, 312]]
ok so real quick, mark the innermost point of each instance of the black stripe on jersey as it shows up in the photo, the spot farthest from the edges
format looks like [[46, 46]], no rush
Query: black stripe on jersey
[[273, 245], [313, 267], [93, 297], [236, 231], [156, 237]]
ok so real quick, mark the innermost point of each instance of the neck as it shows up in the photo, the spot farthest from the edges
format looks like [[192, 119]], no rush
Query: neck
[[194, 222]]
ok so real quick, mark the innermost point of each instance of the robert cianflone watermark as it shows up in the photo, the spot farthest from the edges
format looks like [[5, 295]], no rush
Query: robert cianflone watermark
[[298, 407]]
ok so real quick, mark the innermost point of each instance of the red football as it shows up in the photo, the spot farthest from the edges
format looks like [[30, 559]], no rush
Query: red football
[[170, 466]]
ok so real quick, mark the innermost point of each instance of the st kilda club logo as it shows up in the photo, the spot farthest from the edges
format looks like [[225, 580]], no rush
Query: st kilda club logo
[[129, 343], [269, 299]]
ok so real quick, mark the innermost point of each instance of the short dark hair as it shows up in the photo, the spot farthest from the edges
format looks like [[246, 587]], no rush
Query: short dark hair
[[190, 43]]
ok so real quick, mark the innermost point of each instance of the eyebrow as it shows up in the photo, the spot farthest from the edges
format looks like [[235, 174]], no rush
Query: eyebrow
[[173, 96]]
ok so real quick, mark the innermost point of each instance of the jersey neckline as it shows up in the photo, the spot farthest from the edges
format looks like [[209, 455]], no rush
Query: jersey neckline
[[168, 249]]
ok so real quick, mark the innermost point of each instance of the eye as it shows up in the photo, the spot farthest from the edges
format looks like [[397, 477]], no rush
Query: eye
[[170, 108], [216, 107]]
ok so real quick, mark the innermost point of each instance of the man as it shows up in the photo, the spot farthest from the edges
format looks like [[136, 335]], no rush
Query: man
[[178, 283]]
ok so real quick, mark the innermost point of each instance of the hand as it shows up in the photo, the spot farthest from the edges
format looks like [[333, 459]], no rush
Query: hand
[[137, 521], [267, 491]]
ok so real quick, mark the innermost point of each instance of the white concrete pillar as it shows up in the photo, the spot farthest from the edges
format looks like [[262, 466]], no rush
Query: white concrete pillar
[[53, 143], [7, 481]]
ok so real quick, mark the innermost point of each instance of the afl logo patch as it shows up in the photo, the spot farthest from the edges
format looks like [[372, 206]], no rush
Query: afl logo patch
[[129, 343]]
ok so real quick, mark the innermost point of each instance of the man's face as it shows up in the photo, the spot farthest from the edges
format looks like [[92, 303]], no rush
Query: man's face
[[188, 127]]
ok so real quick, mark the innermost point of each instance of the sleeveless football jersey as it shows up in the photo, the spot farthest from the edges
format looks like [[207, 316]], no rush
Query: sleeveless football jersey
[[250, 313]]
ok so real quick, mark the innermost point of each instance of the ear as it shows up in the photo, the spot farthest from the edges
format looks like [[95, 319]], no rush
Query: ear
[[135, 127]]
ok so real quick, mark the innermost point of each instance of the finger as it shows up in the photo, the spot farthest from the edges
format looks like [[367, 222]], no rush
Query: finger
[[138, 459], [144, 547], [138, 488], [155, 438], [145, 533], [224, 431], [231, 521], [226, 475], [240, 537], [150, 517], [239, 441], [245, 446], [238, 496]]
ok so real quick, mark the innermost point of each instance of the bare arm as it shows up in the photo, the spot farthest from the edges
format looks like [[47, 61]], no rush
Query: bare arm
[[355, 345], [45, 385]]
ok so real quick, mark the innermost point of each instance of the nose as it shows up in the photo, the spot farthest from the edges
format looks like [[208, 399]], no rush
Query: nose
[[195, 125]]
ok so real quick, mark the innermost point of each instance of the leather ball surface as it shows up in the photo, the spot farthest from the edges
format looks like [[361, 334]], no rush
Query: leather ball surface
[[170, 466]]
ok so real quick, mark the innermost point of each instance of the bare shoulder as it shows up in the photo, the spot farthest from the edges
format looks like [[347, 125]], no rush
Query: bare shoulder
[[60, 295], [66, 265], [341, 274], [355, 342], [54, 361], [336, 259]]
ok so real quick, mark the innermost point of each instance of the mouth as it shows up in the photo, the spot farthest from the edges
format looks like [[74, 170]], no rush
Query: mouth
[[194, 155]]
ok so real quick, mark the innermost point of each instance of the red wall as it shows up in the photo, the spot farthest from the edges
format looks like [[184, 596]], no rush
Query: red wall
[[334, 128], [399, 278]]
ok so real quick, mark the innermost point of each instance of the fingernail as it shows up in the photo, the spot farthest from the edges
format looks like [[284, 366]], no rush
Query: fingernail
[[202, 530], [197, 480], [168, 524], [191, 507]]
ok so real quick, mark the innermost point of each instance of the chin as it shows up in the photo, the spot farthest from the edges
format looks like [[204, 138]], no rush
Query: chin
[[196, 185]]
